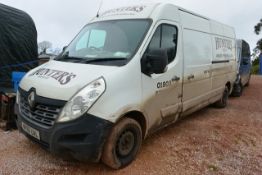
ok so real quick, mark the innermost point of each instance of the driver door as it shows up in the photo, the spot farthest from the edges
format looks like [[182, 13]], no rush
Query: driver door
[[163, 92]]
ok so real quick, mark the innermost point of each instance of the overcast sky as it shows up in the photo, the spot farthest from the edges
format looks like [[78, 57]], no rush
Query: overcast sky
[[59, 21]]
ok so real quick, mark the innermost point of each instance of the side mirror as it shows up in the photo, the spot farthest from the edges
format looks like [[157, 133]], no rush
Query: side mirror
[[155, 61], [64, 48]]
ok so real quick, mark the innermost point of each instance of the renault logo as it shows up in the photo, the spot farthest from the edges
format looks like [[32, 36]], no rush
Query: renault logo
[[31, 100]]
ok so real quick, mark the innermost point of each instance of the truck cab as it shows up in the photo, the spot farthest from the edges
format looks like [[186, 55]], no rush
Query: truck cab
[[129, 72]]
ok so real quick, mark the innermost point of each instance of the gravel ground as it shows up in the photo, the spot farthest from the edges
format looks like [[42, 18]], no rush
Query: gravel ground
[[211, 141]]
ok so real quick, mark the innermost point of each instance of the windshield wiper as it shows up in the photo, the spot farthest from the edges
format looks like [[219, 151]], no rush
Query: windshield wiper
[[66, 57], [69, 58], [102, 60]]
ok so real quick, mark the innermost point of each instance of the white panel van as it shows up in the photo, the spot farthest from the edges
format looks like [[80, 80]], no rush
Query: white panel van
[[129, 72]]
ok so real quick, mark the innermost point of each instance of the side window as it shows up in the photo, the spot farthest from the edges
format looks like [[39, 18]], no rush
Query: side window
[[155, 41], [165, 37]]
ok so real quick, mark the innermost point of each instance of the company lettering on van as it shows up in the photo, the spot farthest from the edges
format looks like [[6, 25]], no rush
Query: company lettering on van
[[136, 9], [224, 48], [61, 76], [223, 44]]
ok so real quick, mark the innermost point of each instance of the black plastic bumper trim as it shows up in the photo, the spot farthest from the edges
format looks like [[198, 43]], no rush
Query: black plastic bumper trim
[[82, 139]]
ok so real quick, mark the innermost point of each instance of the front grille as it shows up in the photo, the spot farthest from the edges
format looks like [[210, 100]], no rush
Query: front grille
[[43, 115]]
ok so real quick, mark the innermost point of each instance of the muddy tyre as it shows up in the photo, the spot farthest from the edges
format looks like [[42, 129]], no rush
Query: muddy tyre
[[123, 144], [222, 102], [238, 90]]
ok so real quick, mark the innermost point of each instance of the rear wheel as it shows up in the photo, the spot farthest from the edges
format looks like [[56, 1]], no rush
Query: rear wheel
[[238, 89], [222, 102], [123, 144]]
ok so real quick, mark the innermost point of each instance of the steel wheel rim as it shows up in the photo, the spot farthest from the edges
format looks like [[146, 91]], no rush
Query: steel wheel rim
[[125, 143]]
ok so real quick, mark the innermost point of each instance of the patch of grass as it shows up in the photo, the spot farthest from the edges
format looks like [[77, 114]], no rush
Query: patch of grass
[[255, 69]]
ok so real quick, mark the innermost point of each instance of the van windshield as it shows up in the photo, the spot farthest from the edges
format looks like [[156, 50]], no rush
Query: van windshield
[[106, 42]]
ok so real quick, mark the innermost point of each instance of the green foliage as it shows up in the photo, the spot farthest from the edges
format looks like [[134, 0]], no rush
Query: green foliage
[[255, 66], [255, 69], [255, 61], [259, 44], [258, 27], [257, 30]]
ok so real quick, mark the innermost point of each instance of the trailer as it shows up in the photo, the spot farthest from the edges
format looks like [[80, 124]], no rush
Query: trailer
[[18, 53]]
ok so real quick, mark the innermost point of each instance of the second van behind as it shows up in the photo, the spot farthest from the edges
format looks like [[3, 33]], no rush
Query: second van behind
[[244, 67]]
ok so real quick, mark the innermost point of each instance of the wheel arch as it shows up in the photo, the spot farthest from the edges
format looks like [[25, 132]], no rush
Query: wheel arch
[[229, 86], [139, 117]]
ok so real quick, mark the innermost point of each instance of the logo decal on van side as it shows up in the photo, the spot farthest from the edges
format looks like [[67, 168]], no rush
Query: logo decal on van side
[[223, 44], [224, 48], [61, 76]]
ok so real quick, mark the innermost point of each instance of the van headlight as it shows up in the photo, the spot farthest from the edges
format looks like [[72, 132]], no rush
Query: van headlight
[[82, 101]]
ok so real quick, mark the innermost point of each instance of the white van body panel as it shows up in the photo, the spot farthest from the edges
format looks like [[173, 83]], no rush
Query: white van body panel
[[123, 93], [204, 63], [48, 75], [201, 54]]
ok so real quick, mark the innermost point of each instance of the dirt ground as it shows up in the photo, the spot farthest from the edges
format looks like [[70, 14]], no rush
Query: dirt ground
[[211, 141]]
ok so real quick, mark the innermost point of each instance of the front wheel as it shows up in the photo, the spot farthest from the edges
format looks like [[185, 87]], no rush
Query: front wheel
[[122, 144], [222, 102]]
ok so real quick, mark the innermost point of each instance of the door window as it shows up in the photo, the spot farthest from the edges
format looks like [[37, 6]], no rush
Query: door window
[[165, 37]]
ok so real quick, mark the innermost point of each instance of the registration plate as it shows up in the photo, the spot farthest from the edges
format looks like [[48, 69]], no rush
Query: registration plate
[[31, 131]]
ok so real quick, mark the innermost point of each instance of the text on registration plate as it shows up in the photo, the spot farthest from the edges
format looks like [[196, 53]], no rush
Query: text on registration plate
[[31, 131]]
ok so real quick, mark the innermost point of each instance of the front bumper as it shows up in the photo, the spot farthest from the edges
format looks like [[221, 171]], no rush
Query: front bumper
[[82, 139]]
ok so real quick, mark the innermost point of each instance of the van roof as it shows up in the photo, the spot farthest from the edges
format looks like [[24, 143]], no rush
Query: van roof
[[142, 10], [134, 11], [158, 11]]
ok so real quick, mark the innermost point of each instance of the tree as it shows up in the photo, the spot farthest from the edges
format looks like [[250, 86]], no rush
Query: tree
[[258, 29], [44, 45], [259, 45]]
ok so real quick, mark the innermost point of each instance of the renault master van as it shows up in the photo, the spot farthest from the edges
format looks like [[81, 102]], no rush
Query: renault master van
[[130, 72]]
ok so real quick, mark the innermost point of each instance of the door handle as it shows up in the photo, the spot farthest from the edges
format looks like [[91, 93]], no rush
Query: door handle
[[175, 78], [191, 77]]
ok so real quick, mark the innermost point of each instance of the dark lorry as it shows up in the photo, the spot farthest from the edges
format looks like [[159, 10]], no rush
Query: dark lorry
[[18, 52], [18, 44]]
